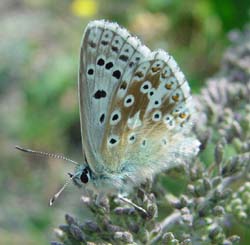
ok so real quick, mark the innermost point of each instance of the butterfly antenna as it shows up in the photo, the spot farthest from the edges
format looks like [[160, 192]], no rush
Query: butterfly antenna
[[46, 154], [52, 200]]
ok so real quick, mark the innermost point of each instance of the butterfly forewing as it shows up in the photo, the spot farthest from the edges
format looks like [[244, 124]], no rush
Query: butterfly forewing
[[109, 55]]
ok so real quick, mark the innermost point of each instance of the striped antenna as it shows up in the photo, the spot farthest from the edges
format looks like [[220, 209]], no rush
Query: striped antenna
[[46, 154]]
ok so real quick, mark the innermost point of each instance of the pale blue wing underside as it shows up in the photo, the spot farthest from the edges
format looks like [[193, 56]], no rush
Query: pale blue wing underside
[[135, 105], [107, 52]]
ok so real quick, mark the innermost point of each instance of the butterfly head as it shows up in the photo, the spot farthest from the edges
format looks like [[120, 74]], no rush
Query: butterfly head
[[81, 176], [82, 173]]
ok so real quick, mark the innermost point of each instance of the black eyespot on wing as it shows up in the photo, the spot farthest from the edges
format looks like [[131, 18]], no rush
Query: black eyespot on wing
[[116, 74], [156, 115], [131, 64], [123, 57], [167, 118], [100, 94], [104, 42], [115, 49], [109, 65], [100, 62], [128, 100], [90, 71], [92, 44], [115, 117], [102, 117], [112, 141], [132, 137]]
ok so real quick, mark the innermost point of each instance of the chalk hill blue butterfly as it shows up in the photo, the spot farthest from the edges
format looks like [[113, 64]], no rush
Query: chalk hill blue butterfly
[[135, 110]]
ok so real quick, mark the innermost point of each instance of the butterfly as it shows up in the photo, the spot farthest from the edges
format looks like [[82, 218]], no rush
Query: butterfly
[[135, 111]]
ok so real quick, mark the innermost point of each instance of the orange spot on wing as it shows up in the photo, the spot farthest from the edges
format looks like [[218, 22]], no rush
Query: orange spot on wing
[[123, 85], [175, 97], [183, 115], [168, 86], [155, 69], [139, 74]]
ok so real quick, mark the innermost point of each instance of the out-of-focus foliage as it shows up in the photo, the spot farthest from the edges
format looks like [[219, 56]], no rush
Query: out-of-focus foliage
[[39, 50]]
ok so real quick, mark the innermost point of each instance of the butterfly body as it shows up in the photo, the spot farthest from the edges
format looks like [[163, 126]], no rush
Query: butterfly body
[[106, 182], [135, 109]]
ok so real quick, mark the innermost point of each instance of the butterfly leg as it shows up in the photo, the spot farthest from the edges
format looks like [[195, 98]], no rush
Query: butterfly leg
[[140, 209]]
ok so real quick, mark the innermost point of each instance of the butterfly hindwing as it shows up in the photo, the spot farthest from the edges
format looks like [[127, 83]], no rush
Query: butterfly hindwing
[[145, 120]]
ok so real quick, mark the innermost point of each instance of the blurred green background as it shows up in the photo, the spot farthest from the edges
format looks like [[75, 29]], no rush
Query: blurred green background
[[39, 52]]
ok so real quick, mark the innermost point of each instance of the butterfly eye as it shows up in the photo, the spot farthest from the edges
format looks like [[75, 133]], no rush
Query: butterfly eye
[[84, 176]]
